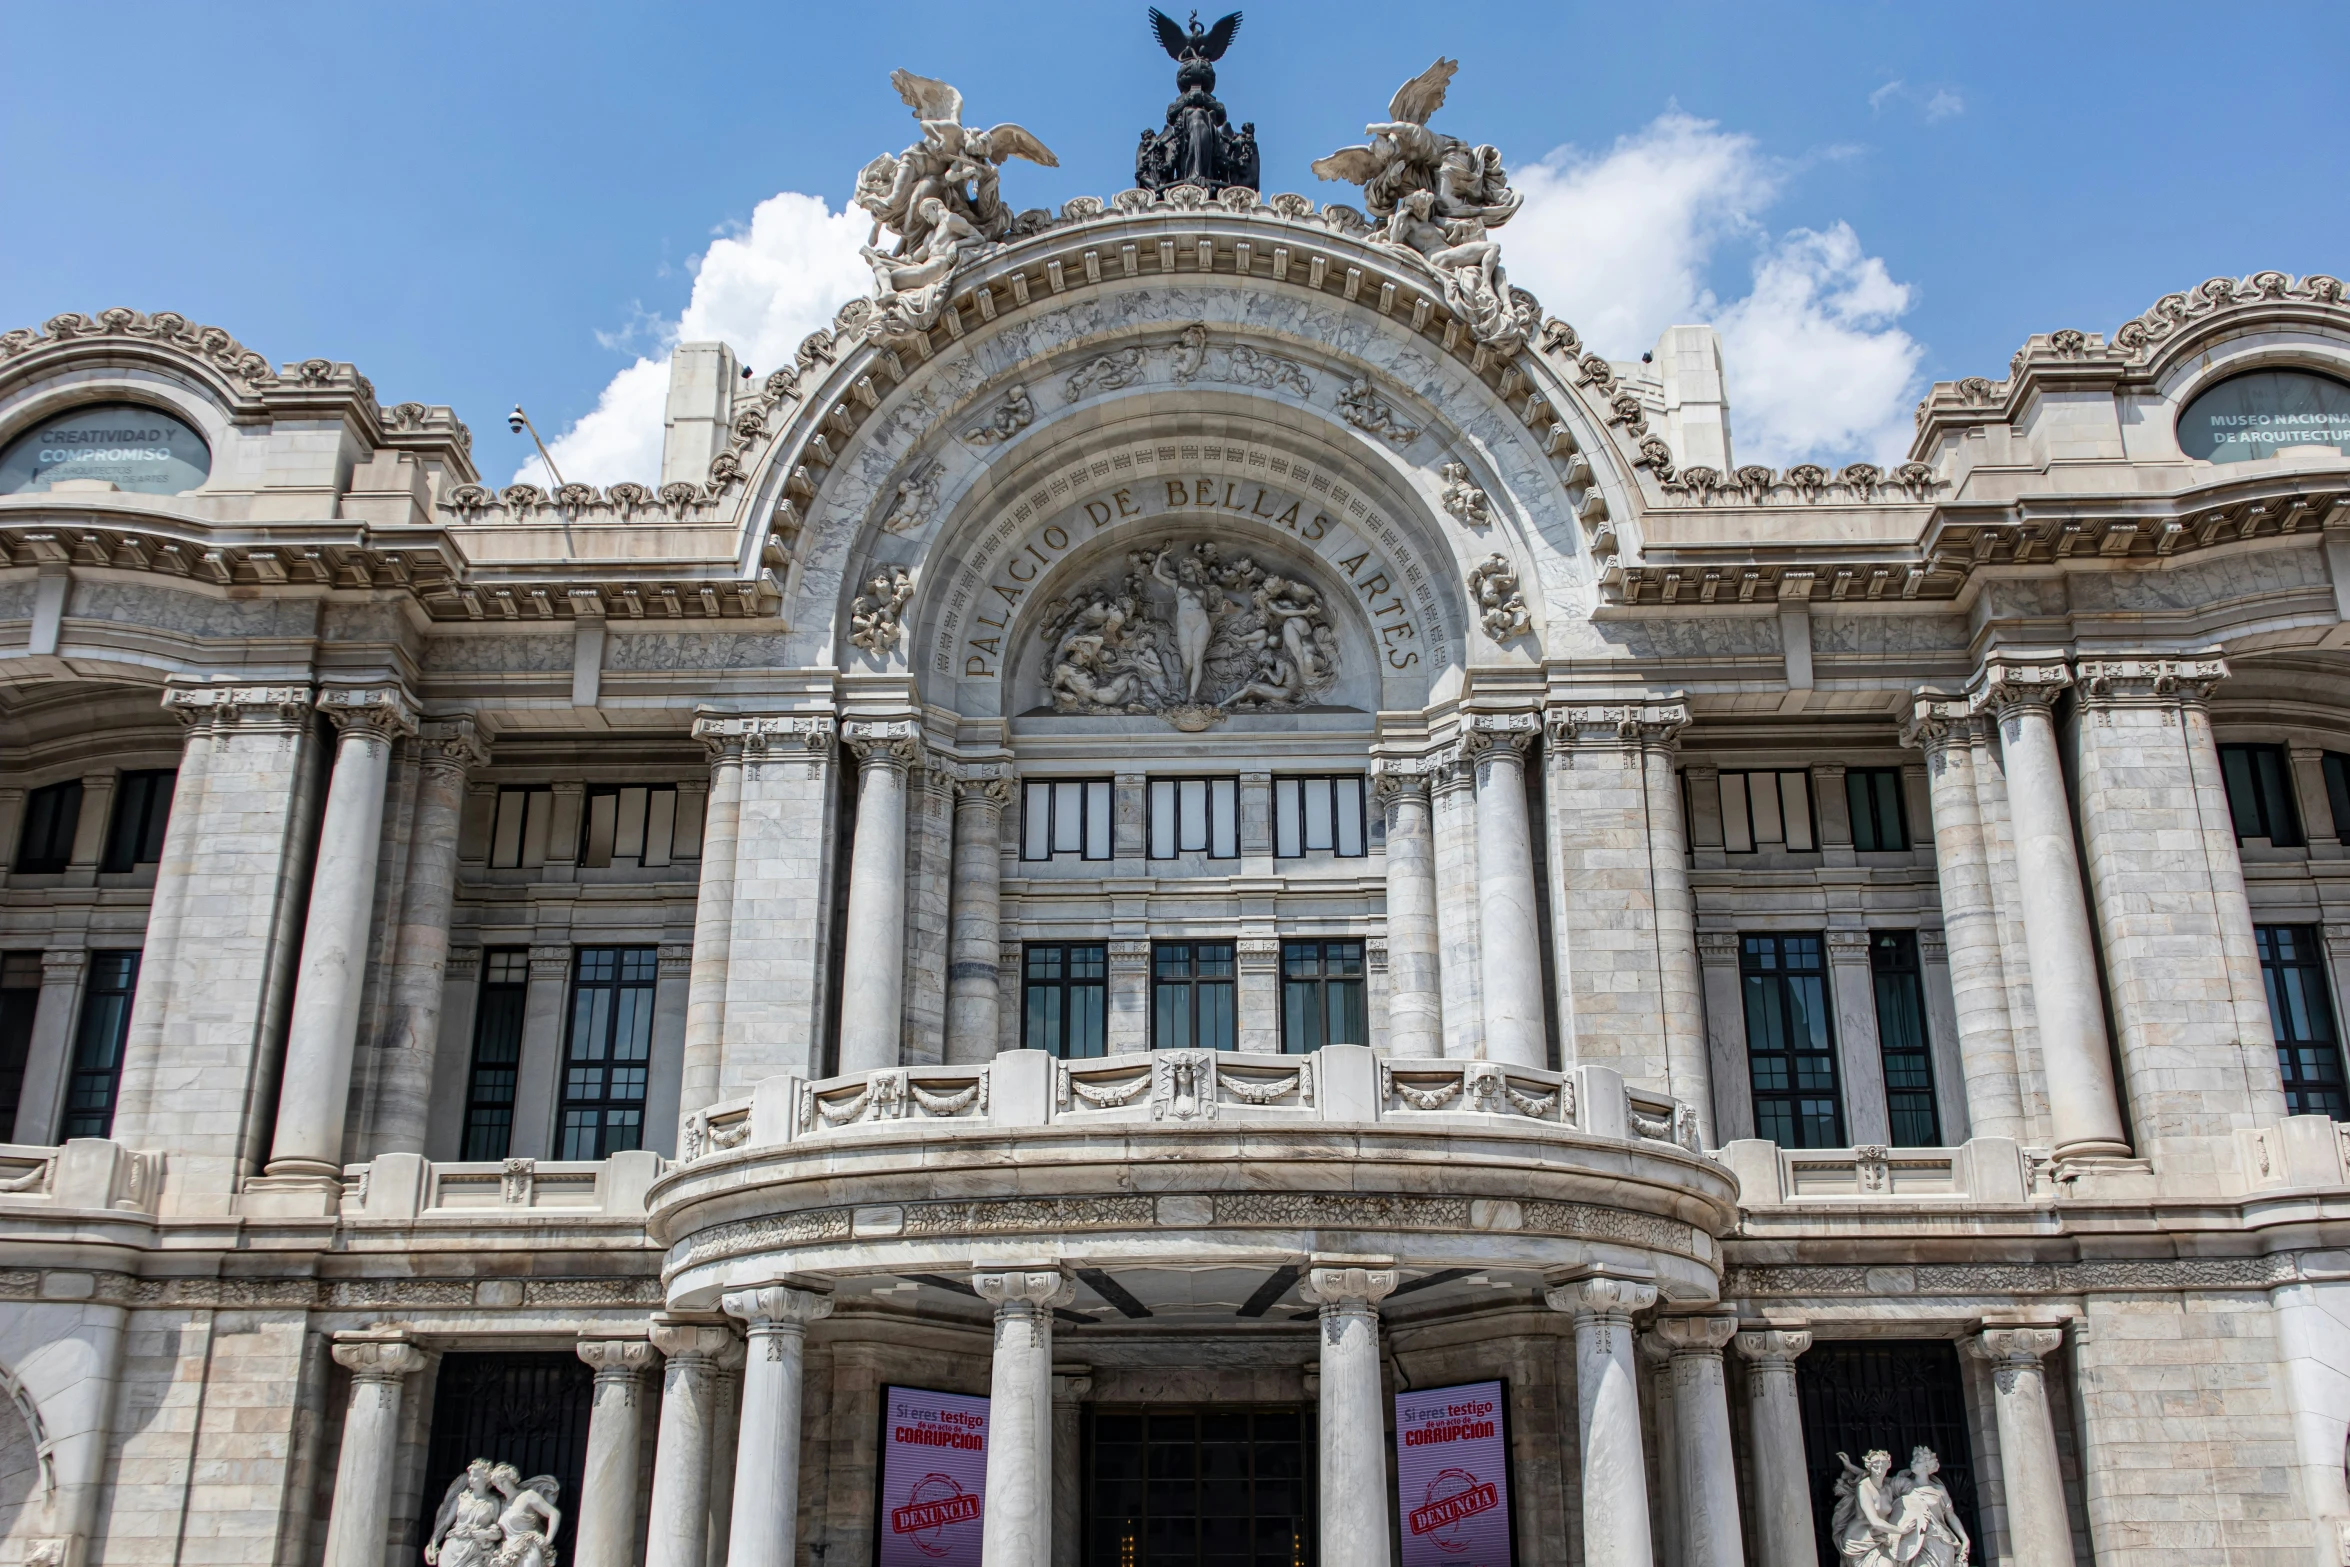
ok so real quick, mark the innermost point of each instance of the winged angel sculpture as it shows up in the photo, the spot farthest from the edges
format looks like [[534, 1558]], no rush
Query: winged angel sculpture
[[940, 199], [1441, 198]]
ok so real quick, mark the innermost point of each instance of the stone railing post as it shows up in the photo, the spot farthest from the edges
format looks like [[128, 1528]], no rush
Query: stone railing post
[[1784, 1536], [357, 1527], [1607, 1402], [1018, 1525], [766, 1523], [2037, 1525], [874, 955], [693, 1353], [1351, 1419], [607, 1534]]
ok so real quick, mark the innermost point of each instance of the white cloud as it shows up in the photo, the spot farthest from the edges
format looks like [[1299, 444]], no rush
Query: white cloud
[[1890, 90], [1621, 244], [1944, 105], [761, 289]]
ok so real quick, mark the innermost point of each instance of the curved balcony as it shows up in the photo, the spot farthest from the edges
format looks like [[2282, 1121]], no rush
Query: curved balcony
[[1186, 1181]]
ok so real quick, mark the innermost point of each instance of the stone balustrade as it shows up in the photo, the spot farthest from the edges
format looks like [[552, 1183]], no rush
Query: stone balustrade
[[1981, 1170], [403, 1186], [81, 1173]]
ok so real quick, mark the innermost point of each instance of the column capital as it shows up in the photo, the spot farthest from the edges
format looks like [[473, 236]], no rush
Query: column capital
[[1938, 720], [1616, 723], [1026, 1290], [894, 743], [383, 711], [255, 707], [980, 783], [2149, 680], [1346, 1285], [711, 1344], [777, 1306], [2009, 684], [1774, 1347], [1486, 735], [63, 965], [1072, 1386], [765, 737], [550, 962], [625, 1358], [378, 1359], [1393, 777], [2015, 1347], [1601, 1297], [1848, 946], [450, 745], [1717, 948], [1708, 1334]]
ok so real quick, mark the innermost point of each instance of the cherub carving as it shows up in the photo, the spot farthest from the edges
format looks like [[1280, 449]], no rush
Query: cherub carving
[[1009, 417], [1463, 499], [1370, 413], [911, 504], [1501, 608], [873, 619]]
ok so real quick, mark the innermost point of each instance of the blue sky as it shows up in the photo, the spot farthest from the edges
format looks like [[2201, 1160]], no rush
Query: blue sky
[[481, 204]]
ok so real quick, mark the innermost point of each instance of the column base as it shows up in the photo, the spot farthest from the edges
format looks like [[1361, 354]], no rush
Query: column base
[[2066, 1153], [281, 1195], [2101, 1177]]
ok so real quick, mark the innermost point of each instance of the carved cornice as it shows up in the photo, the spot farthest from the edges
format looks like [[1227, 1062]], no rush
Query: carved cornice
[[247, 707], [1809, 1280], [894, 743], [1616, 723], [2115, 681]]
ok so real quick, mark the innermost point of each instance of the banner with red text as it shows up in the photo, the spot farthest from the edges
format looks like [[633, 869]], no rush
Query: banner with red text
[[1452, 1476], [933, 1478]]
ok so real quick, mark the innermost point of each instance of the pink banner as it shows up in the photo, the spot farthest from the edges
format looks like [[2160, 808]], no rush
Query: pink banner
[[1452, 1477], [933, 1478]]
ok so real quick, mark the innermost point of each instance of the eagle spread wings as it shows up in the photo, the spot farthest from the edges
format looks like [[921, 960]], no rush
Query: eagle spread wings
[[1197, 44]]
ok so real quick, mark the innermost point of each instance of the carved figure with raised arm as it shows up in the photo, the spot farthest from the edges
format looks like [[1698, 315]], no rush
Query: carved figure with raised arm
[[1862, 1523], [1926, 1530], [465, 1530], [530, 1519]]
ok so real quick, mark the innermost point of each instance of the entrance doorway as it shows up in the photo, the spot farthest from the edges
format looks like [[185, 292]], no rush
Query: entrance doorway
[[1862, 1394], [1219, 1487]]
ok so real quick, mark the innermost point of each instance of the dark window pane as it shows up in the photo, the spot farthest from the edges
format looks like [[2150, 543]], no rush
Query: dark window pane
[[1790, 1044], [97, 1048], [2260, 793], [2336, 767], [2301, 1017], [1065, 1007], [20, 1000], [611, 1022], [1322, 995], [51, 815], [497, 1053], [142, 804], [1874, 796]]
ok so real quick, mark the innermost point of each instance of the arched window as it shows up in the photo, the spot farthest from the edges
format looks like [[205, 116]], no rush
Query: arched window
[[2259, 414], [126, 445]]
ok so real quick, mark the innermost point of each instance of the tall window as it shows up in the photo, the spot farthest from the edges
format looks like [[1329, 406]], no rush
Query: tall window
[[2336, 767], [50, 817], [1322, 995], [1318, 814], [639, 824], [1065, 816], [1874, 794], [608, 1052], [497, 1053], [20, 999], [1767, 811], [1901, 1035], [518, 834], [1195, 816], [1191, 996], [2260, 794], [1066, 995], [2309, 1051], [97, 1045], [142, 806], [1791, 1055]]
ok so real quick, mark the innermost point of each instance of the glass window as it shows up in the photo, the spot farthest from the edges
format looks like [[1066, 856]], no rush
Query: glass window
[[518, 833], [2337, 770], [1318, 815], [1901, 1036], [2260, 794], [142, 808], [1874, 794], [1191, 996], [1065, 816], [1065, 990], [1767, 811], [1195, 816], [2261, 413], [637, 824], [20, 1000], [127, 447], [2309, 1051], [1791, 1054], [608, 1052], [497, 1053], [97, 1045], [1322, 995], [50, 816]]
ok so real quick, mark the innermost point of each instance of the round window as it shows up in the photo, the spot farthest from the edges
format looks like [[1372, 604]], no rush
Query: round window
[[2259, 414], [121, 444]]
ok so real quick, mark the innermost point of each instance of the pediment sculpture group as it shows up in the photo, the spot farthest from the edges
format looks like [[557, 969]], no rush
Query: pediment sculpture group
[[1904, 1519], [492, 1517]]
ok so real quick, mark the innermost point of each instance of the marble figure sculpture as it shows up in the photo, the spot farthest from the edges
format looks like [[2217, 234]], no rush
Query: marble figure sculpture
[[1883, 1519], [492, 1517], [1197, 146]]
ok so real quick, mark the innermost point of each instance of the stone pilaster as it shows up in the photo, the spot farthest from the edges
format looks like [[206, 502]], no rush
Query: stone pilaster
[[694, 1352], [1783, 1532], [49, 1053], [1680, 982], [357, 1530], [929, 883], [1351, 1418], [873, 966], [765, 1529], [1607, 1399], [1452, 803], [1860, 1056], [2041, 1534], [1257, 994], [1509, 941], [1415, 1004], [975, 912], [1703, 1464], [1018, 1526], [1725, 1035], [607, 1531], [705, 998], [1128, 1027]]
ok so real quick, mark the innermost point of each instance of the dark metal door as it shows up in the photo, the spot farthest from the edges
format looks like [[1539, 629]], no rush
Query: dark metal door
[[1896, 1396], [530, 1411], [1197, 1488]]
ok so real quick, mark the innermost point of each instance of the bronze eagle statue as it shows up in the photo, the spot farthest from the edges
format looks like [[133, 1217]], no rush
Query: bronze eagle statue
[[1201, 43]]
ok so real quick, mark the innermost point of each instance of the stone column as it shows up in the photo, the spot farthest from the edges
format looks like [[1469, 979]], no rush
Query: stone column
[[726, 1397], [2041, 1535], [1350, 1416], [1708, 1471], [1415, 1004], [2084, 1114], [1607, 1401], [1018, 1525], [1069, 1390], [873, 965], [1783, 1533], [1508, 934], [315, 1090], [1452, 810], [1688, 1058], [1860, 1056], [766, 1526], [48, 1055], [357, 1529], [680, 1526], [445, 750], [705, 994], [607, 1534], [975, 913]]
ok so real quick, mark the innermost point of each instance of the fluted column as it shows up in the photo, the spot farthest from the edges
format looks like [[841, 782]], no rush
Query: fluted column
[[1415, 1005], [1509, 939], [874, 960], [1680, 980], [705, 993], [606, 1534], [2082, 1108], [1703, 1463], [446, 750], [1351, 1421], [356, 1528], [1607, 1402], [766, 1526], [2040, 1534], [693, 1352], [1947, 731], [1783, 1533], [1452, 807], [315, 1090], [975, 913], [1018, 1525]]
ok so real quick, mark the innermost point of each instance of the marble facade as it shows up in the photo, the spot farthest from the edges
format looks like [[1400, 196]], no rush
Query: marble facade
[[436, 743]]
